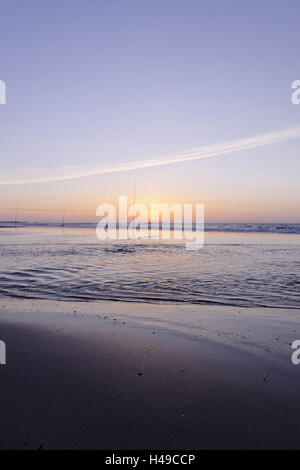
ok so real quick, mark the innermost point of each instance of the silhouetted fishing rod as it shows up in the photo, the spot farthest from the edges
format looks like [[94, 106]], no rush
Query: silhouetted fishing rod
[[138, 228], [109, 202], [16, 216], [64, 216]]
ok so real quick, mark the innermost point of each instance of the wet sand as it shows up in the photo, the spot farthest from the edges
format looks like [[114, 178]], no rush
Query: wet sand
[[139, 376]]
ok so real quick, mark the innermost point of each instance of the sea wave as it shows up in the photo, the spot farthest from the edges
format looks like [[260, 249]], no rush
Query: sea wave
[[280, 228], [68, 268]]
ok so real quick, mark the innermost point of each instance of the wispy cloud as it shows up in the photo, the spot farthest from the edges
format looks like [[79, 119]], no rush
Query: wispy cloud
[[208, 151]]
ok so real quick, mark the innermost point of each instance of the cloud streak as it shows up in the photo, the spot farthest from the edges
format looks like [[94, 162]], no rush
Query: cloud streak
[[197, 153]]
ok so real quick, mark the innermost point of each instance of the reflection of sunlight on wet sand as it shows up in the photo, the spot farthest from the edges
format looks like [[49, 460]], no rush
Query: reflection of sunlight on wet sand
[[88, 235]]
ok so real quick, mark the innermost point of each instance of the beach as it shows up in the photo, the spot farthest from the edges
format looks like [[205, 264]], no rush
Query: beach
[[134, 375]]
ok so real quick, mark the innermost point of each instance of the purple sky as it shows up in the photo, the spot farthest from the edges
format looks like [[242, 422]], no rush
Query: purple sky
[[97, 82]]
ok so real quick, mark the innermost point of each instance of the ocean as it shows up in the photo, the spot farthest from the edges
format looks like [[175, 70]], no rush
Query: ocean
[[240, 265]]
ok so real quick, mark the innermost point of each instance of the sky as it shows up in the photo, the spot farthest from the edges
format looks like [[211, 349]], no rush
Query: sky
[[98, 83]]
